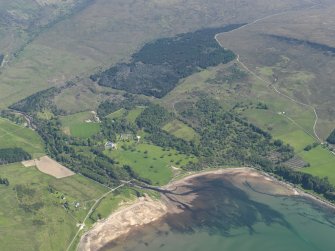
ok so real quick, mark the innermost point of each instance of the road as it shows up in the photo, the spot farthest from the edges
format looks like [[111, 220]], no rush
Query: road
[[82, 225]]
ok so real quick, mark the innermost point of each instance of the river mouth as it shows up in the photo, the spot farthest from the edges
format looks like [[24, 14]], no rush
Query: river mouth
[[240, 210]]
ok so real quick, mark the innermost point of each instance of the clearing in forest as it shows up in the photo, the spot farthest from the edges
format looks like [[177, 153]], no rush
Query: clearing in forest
[[81, 125]]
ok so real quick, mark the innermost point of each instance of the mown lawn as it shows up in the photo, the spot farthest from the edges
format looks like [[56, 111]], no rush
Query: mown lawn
[[149, 161], [32, 213], [12, 135]]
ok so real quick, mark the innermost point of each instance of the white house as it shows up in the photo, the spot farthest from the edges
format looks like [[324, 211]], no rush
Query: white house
[[110, 145]]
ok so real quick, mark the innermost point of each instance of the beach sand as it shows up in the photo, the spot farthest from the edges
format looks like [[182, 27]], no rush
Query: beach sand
[[141, 212], [177, 196]]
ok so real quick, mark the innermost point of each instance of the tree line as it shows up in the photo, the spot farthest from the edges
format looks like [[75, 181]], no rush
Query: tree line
[[158, 67], [12, 155], [128, 102], [4, 181], [152, 119], [227, 139], [331, 137]]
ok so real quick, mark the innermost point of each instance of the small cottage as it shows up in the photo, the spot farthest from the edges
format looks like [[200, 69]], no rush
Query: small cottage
[[110, 145]]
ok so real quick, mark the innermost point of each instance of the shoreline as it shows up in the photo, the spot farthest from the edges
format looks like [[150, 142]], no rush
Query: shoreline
[[145, 210], [142, 211]]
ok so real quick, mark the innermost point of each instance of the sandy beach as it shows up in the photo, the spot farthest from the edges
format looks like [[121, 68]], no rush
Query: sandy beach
[[141, 212], [146, 210]]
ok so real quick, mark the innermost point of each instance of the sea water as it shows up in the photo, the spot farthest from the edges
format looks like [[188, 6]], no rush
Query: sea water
[[228, 217]]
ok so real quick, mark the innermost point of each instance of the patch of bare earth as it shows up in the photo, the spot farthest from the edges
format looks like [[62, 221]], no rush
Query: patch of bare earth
[[50, 167]]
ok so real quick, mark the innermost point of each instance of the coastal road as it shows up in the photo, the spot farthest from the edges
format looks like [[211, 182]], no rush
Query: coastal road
[[82, 225]]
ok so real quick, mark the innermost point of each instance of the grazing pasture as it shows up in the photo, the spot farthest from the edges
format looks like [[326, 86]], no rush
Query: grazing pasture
[[322, 163], [180, 130], [81, 125], [149, 161], [38, 212], [133, 114], [280, 127], [12, 135], [118, 114]]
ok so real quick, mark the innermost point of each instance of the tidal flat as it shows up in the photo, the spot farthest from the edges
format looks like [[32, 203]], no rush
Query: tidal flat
[[232, 209]]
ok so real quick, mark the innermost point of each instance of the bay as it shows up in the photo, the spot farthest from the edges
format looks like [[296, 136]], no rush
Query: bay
[[237, 216]]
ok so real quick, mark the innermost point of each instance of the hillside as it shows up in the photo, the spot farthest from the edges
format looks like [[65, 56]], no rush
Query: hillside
[[127, 95], [295, 54], [104, 31]]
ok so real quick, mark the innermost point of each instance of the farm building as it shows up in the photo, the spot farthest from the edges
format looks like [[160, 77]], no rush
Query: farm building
[[110, 145]]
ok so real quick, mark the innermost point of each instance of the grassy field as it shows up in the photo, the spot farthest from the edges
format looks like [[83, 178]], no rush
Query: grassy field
[[32, 213], [181, 130], [322, 163], [130, 116], [76, 126], [133, 114], [111, 202], [280, 127], [294, 128], [117, 114], [12, 135], [149, 161]]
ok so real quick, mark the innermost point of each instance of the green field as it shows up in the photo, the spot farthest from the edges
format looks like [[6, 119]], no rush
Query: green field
[[149, 161], [133, 114], [117, 114], [100, 34], [130, 115], [76, 126], [280, 127], [111, 203], [12, 135], [322, 163], [181, 130], [32, 215], [294, 127]]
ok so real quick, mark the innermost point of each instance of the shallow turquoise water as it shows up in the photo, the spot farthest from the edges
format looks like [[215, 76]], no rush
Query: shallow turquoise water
[[229, 218]]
